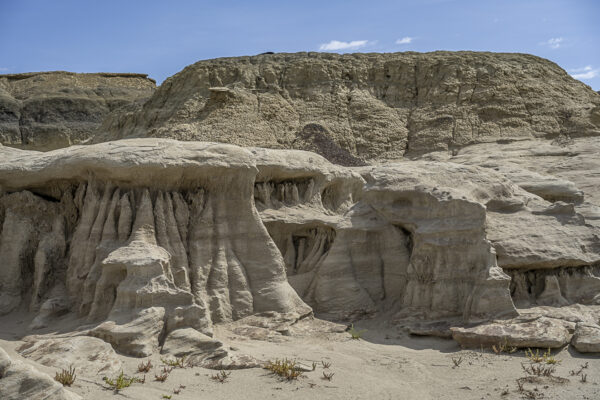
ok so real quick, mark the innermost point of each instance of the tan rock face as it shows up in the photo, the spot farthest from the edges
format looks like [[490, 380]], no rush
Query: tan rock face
[[357, 107], [153, 241], [89, 356], [156, 236], [48, 110], [22, 381]]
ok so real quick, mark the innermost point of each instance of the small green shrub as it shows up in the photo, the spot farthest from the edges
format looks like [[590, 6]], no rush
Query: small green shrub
[[355, 333], [284, 368], [121, 382], [176, 363]]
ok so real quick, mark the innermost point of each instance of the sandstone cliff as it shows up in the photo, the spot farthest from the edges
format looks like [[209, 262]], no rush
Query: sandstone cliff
[[145, 237], [355, 107], [47, 110]]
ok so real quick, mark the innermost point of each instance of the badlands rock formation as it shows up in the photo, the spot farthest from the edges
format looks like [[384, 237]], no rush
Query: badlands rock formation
[[455, 195], [356, 107], [47, 110], [144, 238]]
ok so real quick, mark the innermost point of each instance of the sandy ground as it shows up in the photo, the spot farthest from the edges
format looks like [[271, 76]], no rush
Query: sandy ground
[[385, 364]]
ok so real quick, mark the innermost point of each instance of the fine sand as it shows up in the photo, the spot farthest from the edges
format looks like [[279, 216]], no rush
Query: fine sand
[[386, 363]]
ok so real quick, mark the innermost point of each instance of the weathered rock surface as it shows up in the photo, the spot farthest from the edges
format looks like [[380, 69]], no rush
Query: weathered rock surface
[[356, 107], [164, 235], [552, 259], [21, 381], [152, 238], [540, 332], [47, 110], [188, 342], [89, 356], [587, 338]]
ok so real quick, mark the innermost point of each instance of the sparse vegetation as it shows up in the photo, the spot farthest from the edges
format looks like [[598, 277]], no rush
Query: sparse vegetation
[[583, 378], [145, 367], [355, 333], [328, 376], [161, 377], [546, 357], [326, 364], [580, 370], [66, 376], [503, 347], [220, 376], [538, 370], [314, 365], [457, 361], [284, 368], [534, 357], [178, 362], [121, 382], [166, 396]]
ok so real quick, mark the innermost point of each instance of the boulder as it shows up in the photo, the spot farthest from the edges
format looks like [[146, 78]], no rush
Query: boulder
[[586, 338], [189, 342], [539, 332], [133, 333], [22, 381], [89, 356]]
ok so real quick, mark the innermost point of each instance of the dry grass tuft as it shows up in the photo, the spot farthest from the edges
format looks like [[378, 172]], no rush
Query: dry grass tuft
[[145, 367], [66, 376], [284, 368], [328, 376], [503, 347], [457, 361], [161, 377], [221, 376], [178, 362]]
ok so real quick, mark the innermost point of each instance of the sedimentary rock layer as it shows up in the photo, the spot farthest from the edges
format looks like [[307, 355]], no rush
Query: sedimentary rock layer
[[48, 110], [145, 237], [356, 107]]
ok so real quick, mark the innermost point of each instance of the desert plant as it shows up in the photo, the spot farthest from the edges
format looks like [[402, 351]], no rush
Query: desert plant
[[314, 365], [534, 357], [66, 376], [503, 347], [328, 376], [538, 370], [580, 370], [457, 361], [355, 333], [549, 358], [161, 377], [520, 385], [178, 362], [166, 396], [326, 364], [220, 376], [120, 382], [583, 378], [145, 367], [284, 368]]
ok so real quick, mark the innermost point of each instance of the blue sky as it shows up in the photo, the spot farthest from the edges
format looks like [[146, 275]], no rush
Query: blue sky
[[161, 37]]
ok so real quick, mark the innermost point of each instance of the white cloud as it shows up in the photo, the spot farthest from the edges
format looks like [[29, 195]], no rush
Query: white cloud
[[553, 43], [586, 72], [404, 40], [337, 45]]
